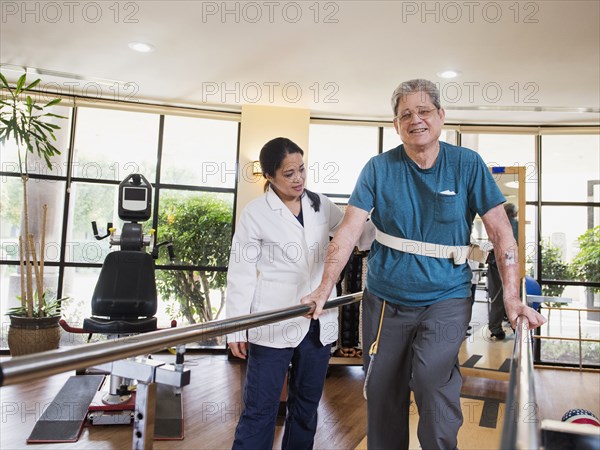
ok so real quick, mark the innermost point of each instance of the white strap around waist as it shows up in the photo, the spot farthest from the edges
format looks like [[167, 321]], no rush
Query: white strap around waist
[[458, 253]]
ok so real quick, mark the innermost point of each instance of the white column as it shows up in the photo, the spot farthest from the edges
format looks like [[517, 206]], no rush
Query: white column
[[259, 125]]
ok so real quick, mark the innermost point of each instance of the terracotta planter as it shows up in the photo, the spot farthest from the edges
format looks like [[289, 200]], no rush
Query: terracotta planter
[[28, 335]]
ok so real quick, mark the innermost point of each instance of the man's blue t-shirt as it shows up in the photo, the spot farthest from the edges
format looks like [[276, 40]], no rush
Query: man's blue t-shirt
[[435, 205]]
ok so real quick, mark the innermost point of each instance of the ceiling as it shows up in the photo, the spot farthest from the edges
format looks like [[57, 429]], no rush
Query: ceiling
[[529, 62]]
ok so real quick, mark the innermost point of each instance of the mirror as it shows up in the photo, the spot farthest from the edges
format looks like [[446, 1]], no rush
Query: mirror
[[511, 181]]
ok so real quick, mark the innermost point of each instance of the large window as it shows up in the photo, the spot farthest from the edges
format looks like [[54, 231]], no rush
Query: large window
[[199, 225], [109, 144], [571, 168], [562, 185], [199, 152], [570, 242], [337, 154], [570, 188], [197, 161]]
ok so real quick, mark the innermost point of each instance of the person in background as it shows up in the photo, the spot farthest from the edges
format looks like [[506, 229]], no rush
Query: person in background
[[277, 256], [475, 277], [511, 212], [497, 312], [422, 196]]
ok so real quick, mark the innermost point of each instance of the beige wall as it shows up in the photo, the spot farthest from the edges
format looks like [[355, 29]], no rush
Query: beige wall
[[259, 125]]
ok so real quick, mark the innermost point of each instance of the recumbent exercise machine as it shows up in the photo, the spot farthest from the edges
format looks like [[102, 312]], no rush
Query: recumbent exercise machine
[[124, 302]]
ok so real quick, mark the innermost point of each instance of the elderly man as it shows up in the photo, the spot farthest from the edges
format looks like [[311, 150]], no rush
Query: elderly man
[[422, 197]]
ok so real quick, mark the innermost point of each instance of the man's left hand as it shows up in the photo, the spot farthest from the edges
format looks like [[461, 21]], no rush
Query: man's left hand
[[515, 308]]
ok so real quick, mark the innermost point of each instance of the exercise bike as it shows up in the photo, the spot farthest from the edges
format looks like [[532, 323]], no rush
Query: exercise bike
[[124, 303]]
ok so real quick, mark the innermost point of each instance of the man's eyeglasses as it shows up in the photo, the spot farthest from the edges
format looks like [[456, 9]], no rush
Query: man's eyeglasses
[[423, 113]]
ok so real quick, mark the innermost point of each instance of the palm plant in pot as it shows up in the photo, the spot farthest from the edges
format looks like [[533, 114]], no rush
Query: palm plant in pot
[[34, 324]]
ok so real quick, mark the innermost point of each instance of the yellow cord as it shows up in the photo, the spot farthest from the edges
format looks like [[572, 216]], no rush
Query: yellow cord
[[374, 345]]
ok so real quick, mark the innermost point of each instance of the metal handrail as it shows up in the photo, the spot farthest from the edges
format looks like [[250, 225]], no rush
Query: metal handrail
[[561, 308], [522, 423], [22, 369]]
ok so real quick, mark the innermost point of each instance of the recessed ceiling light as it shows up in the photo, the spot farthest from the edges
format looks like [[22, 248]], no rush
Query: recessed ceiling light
[[448, 74], [141, 47]]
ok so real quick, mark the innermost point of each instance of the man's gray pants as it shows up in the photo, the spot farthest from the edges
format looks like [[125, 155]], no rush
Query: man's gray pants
[[418, 351]]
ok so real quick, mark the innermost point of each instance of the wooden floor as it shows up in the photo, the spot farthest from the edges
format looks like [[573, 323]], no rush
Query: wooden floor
[[212, 403]]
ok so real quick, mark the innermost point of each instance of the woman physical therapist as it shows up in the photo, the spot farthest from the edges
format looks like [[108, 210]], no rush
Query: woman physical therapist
[[277, 257]]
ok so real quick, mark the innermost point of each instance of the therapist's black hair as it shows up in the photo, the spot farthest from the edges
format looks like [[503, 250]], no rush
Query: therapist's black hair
[[272, 155]]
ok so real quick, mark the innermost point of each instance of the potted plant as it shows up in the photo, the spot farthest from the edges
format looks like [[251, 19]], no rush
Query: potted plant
[[553, 268], [586, 265], [34, 324]]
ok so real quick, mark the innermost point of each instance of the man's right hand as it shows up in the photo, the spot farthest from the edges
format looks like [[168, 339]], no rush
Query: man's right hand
[[317, 297], [239, 349], [338, 252]]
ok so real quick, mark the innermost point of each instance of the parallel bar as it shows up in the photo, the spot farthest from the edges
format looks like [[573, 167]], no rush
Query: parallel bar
[[522, 424], [547, 299], [560, 338], [26, 368], [596, 310]]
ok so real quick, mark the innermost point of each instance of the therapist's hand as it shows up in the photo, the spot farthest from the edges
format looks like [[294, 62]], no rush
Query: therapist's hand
[[239, 349]]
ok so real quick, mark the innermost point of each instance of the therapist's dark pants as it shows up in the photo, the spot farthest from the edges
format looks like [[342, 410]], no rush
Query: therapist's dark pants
[[265, 375]]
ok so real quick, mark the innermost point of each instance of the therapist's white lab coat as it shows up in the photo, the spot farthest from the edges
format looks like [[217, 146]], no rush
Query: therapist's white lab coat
[[274, 262]]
